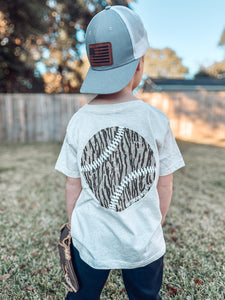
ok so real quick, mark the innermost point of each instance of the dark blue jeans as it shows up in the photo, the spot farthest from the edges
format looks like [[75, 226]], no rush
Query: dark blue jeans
[[141, 283]]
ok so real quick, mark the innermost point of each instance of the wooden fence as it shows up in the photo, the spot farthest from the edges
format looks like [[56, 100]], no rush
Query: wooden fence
[[194, 115], [36, 117]]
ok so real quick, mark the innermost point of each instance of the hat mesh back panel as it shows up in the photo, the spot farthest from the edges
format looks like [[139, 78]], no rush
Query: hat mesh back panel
[[135, 28], [100, 54]]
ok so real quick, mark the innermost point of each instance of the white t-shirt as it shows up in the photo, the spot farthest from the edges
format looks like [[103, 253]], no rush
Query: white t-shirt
[[119, 151]]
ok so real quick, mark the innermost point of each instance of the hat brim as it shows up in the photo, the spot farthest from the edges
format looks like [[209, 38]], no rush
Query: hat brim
[[108, 81]]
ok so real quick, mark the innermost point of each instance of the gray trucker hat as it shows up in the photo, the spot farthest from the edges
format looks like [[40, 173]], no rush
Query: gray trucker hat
[[115, 41]]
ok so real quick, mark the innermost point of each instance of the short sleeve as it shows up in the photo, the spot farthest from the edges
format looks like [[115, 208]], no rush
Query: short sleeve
[[67, 159], [170, 158]]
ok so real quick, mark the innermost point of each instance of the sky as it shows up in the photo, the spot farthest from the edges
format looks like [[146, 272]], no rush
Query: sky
[[192, 28]]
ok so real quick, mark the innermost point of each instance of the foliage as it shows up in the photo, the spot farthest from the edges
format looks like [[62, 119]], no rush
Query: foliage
[[32, 197], [202, 73], [163, 63], [20, 24], [222, 39], [216, 70]]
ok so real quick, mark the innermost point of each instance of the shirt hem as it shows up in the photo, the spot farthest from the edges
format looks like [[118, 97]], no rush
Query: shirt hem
[[67, 172], [177, 166], [109, 265]]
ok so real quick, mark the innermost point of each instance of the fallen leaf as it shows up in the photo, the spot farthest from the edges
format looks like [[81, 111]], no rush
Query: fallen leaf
[[196, 263], [5, 276], [210, 278], [35, 272], [173, 231], [180, 243], [21, 267], [197, 281], [28, 288], [171, 291], [211, 249], [35, 253]]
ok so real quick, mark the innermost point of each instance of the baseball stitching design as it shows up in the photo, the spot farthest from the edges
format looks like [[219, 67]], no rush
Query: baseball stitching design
[[106, 153], [119, 166], [125, 181]]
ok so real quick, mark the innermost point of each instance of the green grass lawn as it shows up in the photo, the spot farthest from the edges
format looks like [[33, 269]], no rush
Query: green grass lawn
[[32, 208]]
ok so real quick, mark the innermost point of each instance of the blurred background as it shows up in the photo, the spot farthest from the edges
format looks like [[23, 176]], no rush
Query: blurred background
[[42, 51]]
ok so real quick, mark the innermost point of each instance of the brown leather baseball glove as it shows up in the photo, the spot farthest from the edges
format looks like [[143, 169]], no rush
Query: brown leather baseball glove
[[65, 253]]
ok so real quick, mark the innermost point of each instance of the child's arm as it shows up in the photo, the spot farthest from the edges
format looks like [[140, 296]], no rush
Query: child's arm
[[73, 189], [165, 188]]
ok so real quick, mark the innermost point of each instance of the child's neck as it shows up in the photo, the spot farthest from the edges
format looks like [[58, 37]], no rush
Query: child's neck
[[121, 96]]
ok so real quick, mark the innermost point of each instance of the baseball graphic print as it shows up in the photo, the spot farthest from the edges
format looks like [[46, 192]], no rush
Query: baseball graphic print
[[119, 166]]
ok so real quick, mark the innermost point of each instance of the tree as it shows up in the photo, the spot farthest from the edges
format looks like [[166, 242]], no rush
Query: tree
[[163, 63], [222, 39], [20, 24], [216, 70], [202, 73]]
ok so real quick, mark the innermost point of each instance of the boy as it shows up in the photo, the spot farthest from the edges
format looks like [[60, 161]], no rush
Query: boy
[[119, 155]]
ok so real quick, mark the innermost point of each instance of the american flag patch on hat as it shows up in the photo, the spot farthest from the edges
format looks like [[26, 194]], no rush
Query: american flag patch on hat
[[100, 54]]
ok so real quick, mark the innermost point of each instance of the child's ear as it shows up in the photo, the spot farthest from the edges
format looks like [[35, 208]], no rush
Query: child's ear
[[140, 62], [139, 65]]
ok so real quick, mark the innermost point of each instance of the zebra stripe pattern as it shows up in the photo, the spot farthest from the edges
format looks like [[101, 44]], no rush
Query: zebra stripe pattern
[[125, 181], [107, 152], [119, 166]]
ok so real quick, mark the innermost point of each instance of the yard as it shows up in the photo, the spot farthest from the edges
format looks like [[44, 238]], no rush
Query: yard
[[32, 208]]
